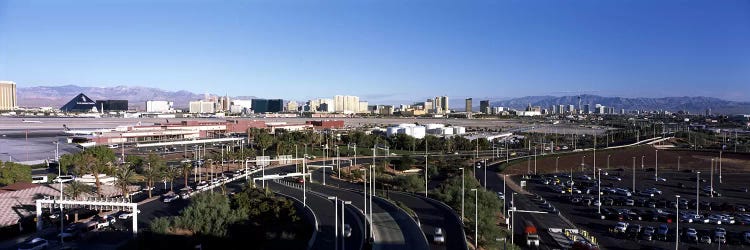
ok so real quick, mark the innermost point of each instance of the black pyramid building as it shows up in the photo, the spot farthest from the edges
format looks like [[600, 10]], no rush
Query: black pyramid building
[[81, 103]]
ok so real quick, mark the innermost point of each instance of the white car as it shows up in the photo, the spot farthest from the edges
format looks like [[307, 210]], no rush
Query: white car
[[170, 198], [34, 244], [64, 179], [621, 227], [125, 215], [500, 195], [439, 238]]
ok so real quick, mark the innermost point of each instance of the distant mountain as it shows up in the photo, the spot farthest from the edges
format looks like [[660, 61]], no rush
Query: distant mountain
[[673, 104], [56, 96]]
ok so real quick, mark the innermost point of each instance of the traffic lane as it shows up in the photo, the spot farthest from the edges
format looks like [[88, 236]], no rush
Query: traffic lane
[[495, 183], [432, 216], [323, 209]]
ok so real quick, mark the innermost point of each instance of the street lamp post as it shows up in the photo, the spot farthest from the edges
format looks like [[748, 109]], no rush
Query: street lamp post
[[608, 161], [338, 162], [599, 191], [697, 192], [677, 228], [505, 195], [59, 172], [720, 165], [425, 167], [336, 220], [462, 192], [656, 165], [485, 174], [712, 177], [634, 174], [557, 161], [476, 217], [643, 157], [583, 160]]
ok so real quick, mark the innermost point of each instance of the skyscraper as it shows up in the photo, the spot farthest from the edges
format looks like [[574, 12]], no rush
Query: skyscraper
[[586, 109], [441, 104], [484, 106], [8, 99], [346, 103], [468, 105]]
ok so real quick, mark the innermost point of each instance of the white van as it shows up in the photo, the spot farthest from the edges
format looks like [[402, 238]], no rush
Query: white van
[[39, 179], [114, 146], [64, 178]]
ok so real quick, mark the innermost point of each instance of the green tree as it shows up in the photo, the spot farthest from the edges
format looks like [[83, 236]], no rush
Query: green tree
[[170, 174], [75, 189], [95, 161], [409, 183], [186, 168], [12, 172], [124, 175], [405, 162], [153, 170], [161, 225], [208, 214]]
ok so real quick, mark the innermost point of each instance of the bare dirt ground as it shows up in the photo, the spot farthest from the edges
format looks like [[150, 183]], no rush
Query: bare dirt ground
[[623, 158]]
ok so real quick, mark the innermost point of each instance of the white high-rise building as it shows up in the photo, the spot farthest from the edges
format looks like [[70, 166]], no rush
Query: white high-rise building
[[8, 99], [202, 107], [346, 104], [362, 107], [159, 107], [324, 105]]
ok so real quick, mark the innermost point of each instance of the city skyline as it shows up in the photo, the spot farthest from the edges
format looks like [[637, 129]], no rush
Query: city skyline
[[384, 52]]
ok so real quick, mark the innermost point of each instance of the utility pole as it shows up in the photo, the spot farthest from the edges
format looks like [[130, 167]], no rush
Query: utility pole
[[634, 174], [720, 151], [425, 167], [463, 172]]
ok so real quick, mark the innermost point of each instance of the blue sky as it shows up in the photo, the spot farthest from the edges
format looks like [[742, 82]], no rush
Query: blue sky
[[384, 51]]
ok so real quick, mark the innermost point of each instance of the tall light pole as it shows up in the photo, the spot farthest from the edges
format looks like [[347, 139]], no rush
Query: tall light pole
[[697, 191], [505, 195], [678, 163], [59, 173], [336, 220], [656, 165], [583, 160], [720, 151], [677, 228], [608, 161], [338, 162], [594, 164], [425, 167], [535, 160], [485, 174], [476, 217], [599, 191], [712, 177], [364, 187], [462, 192], [634, 174], [296, 167], [643, 157], [557, 161]]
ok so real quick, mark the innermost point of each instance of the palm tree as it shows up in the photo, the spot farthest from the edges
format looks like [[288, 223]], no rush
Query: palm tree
[[75, 189], [186, 167], [151, 174], [124, 177], [170, 174]]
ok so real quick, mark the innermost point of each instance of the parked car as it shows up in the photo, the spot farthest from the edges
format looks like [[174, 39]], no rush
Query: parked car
[[170, 198], [64, 179], [125, 215], [34, 244], [705, 239], [662, 232], [620, 227]]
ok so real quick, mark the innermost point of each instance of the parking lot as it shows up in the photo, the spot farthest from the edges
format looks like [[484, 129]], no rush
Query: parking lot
[[652, 205]]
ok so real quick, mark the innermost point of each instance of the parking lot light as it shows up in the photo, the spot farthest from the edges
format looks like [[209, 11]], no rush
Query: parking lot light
[[677, 228], [697, 191]]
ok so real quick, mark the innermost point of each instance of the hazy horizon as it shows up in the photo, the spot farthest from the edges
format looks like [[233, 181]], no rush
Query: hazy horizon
[[384, 51]]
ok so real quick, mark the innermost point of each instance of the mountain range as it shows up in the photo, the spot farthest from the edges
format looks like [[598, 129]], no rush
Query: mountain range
[[56, 96], [692, 104]]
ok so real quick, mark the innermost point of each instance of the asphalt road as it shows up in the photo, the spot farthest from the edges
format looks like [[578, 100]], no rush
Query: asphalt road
[[522, 202], [393, 229]]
